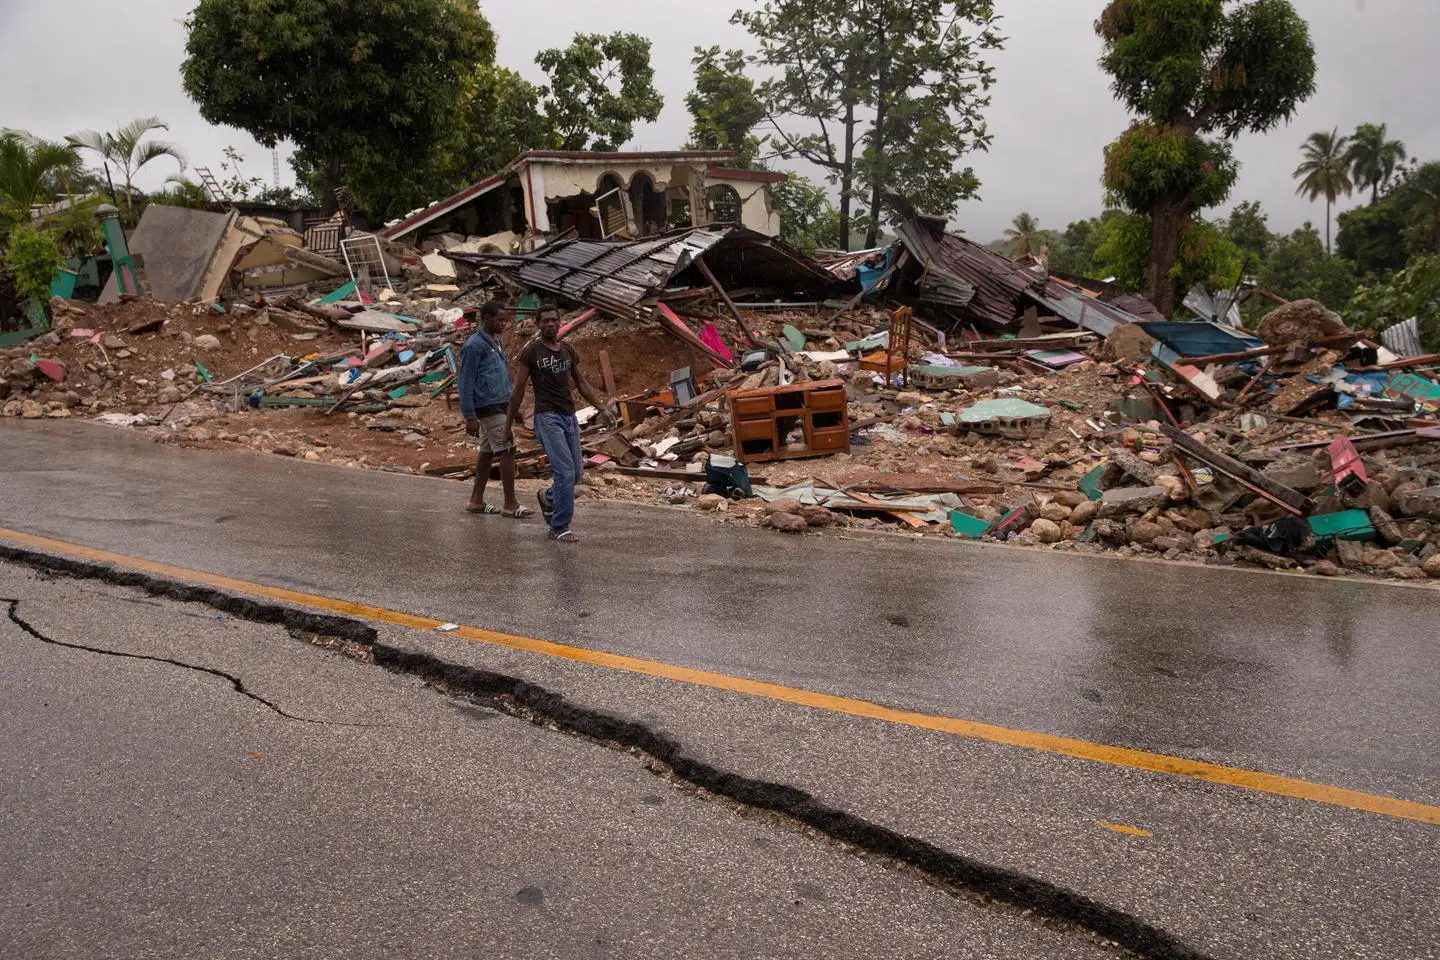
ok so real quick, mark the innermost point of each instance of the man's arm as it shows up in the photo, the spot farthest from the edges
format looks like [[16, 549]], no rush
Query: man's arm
[[588, 392], [465, 383], [517, 396]]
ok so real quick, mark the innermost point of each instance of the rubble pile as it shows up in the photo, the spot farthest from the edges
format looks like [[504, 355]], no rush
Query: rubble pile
[[931, 388]]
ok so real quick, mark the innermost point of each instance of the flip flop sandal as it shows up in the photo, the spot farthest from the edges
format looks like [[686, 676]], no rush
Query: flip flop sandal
[[521, 513], [486, 509], [564, 536]]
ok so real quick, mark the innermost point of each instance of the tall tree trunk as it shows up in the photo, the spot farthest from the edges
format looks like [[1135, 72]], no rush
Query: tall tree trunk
[[877, 149], [877, 145], [329, 203], [1166, 221], [847, 176], [1328, 201]]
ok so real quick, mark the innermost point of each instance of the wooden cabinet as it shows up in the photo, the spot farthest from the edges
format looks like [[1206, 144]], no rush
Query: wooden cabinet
[[801, 420]]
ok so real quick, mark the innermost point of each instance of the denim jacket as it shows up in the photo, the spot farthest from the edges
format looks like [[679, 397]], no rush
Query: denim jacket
[[484, 374]]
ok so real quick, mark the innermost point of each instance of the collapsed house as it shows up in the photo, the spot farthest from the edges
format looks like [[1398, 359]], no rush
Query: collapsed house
[[596, 196]]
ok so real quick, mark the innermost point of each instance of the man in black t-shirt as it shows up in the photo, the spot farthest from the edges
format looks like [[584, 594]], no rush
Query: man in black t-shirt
[[552, 367]]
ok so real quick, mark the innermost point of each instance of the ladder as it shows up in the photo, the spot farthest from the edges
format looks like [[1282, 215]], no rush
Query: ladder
[[212, 187]]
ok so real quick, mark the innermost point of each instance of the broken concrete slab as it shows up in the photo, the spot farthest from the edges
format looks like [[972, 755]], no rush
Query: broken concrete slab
[[1123, 500], [178, 246]]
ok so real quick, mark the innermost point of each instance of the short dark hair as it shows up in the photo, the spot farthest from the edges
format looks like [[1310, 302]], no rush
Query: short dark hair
[[547, 308], [492, 308]]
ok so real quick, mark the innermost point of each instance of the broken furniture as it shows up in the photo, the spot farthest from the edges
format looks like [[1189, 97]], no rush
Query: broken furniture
[[763, 421]]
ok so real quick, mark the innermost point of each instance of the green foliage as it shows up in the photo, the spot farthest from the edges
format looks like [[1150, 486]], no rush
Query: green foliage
[[31, 257], [30, 168], [1149, 165], [724, 108], [600, 87], [180, 191], [128, 150], [1298, 268], [1024, 238], [1373, 238], [1073, 249], [883, 96], [1206, 255], [1413, 292], [1373, 159], [1248, 228], [808, 220], [1188, 69], [1325, 171], [363, 88], [501, 120]]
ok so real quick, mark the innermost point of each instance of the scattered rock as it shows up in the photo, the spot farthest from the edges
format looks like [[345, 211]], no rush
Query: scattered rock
[[1300, 322], [1143, 531], [710, 501], [1046, 531], [1084, 512], [31, 410], [786, 522], [783, 505], [1379, 559], [1133, 466], [1325, 569], [207, 341], [1431, 567], [1055, 512], [1386, 527], [1121, 500]]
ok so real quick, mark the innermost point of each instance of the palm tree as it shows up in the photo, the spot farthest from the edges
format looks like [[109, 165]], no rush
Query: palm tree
[[127, 149], [25, 163], [1372, 158], [1325, 171], [1023, 237]]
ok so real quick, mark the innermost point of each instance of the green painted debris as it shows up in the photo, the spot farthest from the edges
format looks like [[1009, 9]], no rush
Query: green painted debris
[[1087, 535], [530, 303], [1342, 525], [435, 376], [793, 338], [297, 401], [947, 419], [1090, 483], [1005, 408], [202, 373], [398, 392], [873, 342], [968, 526], [344, 293]]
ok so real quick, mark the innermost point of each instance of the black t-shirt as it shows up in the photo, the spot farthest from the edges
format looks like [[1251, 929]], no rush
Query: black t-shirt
[[550, 372]]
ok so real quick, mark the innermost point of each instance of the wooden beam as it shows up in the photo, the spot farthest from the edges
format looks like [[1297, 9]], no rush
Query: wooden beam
[[1292, 500], [704, 269], [607, 374]]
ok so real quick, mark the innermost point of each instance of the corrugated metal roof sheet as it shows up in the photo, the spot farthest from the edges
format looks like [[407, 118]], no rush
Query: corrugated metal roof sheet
[[998, 287], [614, 276], [620, 276]]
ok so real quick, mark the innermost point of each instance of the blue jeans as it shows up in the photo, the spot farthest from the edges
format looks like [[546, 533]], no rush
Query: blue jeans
[[559, 434]]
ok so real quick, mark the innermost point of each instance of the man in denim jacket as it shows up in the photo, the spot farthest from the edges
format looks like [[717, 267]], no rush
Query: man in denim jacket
[[485, 388]]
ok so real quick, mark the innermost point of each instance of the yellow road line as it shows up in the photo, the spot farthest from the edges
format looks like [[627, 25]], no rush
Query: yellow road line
[[1065, 746], [1121, 828]]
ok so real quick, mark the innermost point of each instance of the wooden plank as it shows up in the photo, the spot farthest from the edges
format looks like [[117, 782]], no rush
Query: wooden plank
[[1292, 500], [606, 373], [880, 506], [704, 269]]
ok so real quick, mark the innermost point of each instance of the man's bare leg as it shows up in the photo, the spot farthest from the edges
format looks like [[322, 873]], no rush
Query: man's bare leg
[[482, 474], [507, 480]]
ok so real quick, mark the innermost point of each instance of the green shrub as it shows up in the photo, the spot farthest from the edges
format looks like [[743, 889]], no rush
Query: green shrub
[[31, 257]]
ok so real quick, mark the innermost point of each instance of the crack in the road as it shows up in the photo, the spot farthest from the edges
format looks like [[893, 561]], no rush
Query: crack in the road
[[1037, 899], [13, 605]]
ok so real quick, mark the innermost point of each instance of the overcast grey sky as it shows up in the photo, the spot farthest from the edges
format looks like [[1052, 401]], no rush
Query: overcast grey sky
[[1052, 112]]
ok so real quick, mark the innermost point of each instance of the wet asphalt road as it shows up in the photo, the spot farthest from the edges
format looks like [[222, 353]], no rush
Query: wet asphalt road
[[1296, 676], [1328, 681]]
